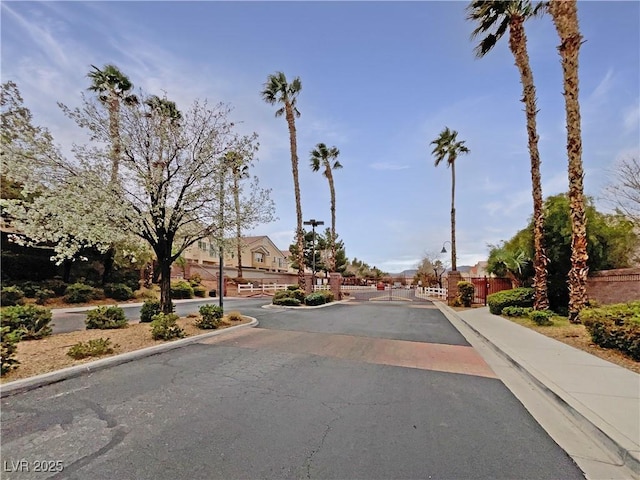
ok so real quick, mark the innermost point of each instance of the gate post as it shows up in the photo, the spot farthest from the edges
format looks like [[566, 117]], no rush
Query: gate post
[[335, 282], [453, 278]]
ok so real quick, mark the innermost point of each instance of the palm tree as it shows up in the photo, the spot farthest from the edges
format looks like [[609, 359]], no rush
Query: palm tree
[[112, 87], [447, 147], [278, 91], [565, 17], [239, 168], [495, 18], [323, 156]]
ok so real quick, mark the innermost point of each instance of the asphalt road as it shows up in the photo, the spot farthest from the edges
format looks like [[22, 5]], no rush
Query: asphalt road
[[351, 392]]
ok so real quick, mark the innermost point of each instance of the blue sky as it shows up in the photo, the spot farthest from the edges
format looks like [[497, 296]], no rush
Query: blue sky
[[380, 80]]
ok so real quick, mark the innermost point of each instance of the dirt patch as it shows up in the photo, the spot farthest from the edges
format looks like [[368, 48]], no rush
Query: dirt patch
[[50, 353]]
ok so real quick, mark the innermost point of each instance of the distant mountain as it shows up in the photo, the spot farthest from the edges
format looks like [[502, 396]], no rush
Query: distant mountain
[[405, 273]]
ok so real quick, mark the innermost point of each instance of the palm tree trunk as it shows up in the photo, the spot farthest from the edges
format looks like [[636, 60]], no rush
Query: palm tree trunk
[[332, 261], [114, 133], [296, 189], [453, 217], [565, 18], [518, 46], [236, 201]]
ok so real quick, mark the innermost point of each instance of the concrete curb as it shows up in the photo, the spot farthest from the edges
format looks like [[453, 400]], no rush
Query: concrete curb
[[574, 408], [31, 383], [270, 306], [86, 308]]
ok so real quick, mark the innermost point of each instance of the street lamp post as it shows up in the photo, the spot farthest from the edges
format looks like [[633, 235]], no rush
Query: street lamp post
[[444, 250], [314, 223]]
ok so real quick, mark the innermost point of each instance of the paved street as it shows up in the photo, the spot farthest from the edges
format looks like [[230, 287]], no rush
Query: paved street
[[357, 390]]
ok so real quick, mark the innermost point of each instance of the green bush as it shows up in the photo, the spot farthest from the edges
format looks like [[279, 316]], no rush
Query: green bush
[[282, 294], [57, 285], [288, 301], [43, 295], [148, 310], [29, 288], [92, 348], [164, 327], [104, 318], [235, 316], [10, 296], [195, 280], [79, 293], [329, 296], [517, 297], [541, 317], [293, 287], [297, 294], [118, 291], [465, 292], [615, 326], [181, 289], [30, 321], [316, 298], [8, 347], [516, 311], [200, 291], [210, 317]]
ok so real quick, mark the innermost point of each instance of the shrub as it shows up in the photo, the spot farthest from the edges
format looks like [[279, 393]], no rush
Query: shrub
[[315, 299], [148, 310], [104, 318], [164, 327], [456, 302], [329, 296], [181, 289], [465, 292], [541, 317], [293, 287], [92, 348], [195, 279], [118, 291], [57, 285], [10, 296], [288, 301], [29, 321], [516, 311], [8, 347], [43, 295], [235, 316], [517, 297], [240, 281], [280, 294], [615, 326], [200, 291], [210, 317], [29, 288], [79, 293], [298, 294]]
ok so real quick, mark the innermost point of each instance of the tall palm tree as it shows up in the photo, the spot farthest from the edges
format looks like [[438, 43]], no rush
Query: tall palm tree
[[277, 91], [112, 87], [238, 165], [565, 18], [327, 158], [447, 147], [495, 18]]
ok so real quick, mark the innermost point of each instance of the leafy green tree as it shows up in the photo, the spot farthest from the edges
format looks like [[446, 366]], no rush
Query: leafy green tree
[[447, 147], [277, 91], [494, 19], [611, 241]]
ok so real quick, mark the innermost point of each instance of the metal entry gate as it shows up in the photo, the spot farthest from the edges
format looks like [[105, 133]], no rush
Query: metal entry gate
[[485, 286], [387, 295]]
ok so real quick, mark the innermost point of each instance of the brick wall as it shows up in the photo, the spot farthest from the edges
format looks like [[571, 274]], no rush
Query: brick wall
[[614, 286]]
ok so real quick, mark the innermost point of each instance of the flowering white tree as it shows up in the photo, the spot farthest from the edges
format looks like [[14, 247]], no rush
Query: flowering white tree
[[171, 169]]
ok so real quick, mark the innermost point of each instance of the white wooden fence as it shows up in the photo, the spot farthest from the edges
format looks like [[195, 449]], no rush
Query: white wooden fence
[[431, 292], [264, 288]]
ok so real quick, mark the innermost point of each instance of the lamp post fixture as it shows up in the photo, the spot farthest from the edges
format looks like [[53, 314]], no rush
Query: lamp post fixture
[[453, 252], [314, 223]]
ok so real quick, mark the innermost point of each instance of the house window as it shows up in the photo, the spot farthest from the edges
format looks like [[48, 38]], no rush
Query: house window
[[259, 257]]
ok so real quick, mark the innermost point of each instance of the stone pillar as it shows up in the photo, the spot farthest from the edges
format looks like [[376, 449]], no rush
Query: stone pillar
[[452, 286], [335, 281]]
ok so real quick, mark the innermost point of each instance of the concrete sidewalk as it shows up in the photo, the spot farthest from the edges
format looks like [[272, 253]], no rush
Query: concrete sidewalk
[[602, 396]]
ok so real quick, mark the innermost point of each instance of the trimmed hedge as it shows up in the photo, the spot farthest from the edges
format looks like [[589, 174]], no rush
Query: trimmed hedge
[[541, 317], [181, 289], [466, 292], [316, 298], [516, 311], [118, 291], [517, 297], [615, 326], [79, 293], [287, 301], [11, 296], [200, 291]]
